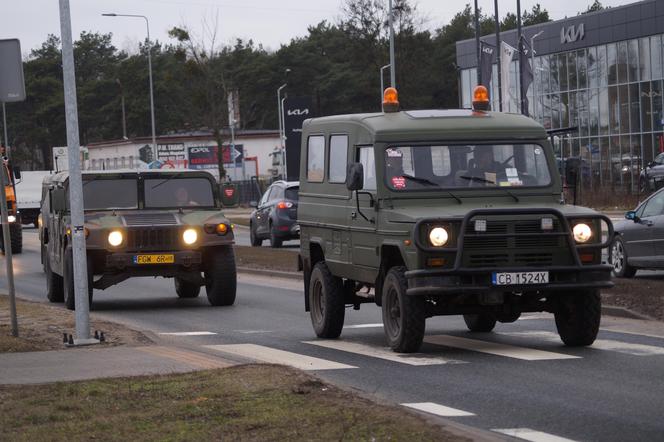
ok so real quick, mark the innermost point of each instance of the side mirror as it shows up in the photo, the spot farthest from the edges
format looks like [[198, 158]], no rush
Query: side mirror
[[355, 176], [17, 172], [651, 164], [631, 215]]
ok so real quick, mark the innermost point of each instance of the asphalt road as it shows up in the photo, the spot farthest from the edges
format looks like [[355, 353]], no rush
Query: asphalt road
[[242, 239], [518, 380]]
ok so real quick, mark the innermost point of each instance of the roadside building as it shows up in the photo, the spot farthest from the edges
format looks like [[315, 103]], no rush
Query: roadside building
[[191, 150], [602, 72]]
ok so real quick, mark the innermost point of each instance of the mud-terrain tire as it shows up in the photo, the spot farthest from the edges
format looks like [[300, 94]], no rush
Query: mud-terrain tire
[[578, 316], [16, 236], [68, 280], [618, 259], [186, 289], [221, 277], [54, 285], [255, 240], [327, 306], [404, 317], [481, 322]]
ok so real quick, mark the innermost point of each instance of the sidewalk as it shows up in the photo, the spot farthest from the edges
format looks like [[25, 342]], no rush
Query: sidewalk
[[77, 364]]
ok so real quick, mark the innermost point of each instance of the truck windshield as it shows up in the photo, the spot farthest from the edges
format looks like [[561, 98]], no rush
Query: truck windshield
[[105, 194], [178, 192], [466, 165]]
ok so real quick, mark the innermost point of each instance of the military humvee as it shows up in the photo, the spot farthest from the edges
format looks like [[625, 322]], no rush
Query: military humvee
[[443, 212], [141, 223]]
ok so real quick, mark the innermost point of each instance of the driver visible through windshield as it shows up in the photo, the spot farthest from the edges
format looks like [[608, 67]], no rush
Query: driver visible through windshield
[[466, 165]]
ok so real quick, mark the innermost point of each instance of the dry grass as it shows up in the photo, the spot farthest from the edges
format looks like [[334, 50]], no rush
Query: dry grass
[[266, 258]]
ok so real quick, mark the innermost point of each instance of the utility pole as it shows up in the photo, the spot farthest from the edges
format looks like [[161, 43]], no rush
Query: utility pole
[[520, 48], [80, 270], [499, 50]]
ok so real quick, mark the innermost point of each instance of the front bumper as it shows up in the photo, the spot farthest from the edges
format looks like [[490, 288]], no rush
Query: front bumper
[[478, 281]]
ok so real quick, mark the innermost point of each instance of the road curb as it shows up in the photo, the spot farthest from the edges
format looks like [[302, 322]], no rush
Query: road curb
[[273, 273], [623, 312]]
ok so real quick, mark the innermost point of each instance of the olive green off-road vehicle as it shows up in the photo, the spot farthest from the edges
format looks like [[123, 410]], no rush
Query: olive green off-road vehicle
[[435, 212], [140, 223]]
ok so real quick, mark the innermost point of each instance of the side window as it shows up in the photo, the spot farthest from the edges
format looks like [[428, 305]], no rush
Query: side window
[[316, 158], [338, 158], [655, 206], [277, 193], [366, 157], [266, 195], [659, 159]]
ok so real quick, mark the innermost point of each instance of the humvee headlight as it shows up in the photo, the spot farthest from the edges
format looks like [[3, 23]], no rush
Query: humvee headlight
[[115, 238], [438, 236], [582, 232], [189, 236], [11, 218]]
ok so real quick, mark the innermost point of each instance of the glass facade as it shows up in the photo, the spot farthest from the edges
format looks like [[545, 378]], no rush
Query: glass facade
[[612, 93]]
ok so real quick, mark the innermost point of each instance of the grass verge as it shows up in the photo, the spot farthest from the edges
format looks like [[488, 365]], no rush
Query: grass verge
[[250, 402], [266, 258]]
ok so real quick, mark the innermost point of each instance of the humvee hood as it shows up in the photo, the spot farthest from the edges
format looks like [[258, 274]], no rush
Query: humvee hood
[[138, 218]]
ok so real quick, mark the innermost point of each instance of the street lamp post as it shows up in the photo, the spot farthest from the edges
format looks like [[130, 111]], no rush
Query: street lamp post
[[393, 82], [122, 101], [282, 123], [147, 24], [382, 83], [532, 63]]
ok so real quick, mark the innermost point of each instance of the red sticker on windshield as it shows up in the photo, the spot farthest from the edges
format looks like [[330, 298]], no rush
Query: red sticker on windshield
[[398, 182]]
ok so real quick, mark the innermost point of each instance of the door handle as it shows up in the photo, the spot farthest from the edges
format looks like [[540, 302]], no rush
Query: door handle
[[353, 214]]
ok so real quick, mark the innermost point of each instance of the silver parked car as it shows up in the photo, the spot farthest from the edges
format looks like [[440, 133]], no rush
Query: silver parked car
[[639, 239]]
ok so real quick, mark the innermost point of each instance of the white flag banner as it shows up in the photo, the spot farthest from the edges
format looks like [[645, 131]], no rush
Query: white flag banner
[[506, 54]]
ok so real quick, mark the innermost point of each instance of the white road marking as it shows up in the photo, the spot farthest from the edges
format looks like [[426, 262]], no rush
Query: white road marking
[[494, 348], [274, 356], [376, 325], [252, 332], [382, 353], [599, 344], [531, 435], [438, 410], [530, 316], [194, 333]]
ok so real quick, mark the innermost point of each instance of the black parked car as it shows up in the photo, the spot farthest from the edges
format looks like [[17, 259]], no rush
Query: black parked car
[[652, 177], [275, 217], [639, 239]]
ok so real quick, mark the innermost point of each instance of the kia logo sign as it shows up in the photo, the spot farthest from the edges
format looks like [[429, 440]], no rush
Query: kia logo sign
[[298, 112], [572, 33]]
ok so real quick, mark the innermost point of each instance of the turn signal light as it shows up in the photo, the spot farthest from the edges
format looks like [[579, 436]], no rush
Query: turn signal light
[[435, 262], [390, 100], [222, 229], [480, 98]]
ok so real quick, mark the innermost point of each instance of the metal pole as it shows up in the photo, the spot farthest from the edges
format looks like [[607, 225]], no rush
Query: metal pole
[[8, 244], [498, 48], [382, 82], [477, 44], [4, 126], [532, 62], [281, 128], [283, 142], [122, 100], [393, 81], [75, 181], [519, 46]]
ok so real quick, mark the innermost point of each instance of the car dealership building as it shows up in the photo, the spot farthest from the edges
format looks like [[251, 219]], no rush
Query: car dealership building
[[601, 72]]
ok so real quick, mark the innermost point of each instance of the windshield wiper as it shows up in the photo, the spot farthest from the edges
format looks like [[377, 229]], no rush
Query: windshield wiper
[[431, 183], [177, 175]]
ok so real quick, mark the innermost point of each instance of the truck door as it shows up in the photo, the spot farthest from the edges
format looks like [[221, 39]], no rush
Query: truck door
[[363, 232]]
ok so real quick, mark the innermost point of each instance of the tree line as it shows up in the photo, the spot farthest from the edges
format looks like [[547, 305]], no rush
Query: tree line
[[337, 64]]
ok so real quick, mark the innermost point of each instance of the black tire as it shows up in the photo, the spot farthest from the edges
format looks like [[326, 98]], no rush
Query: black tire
[[68, 280], [275, 241], [16, 236], [221, 277], [256, 241], [327, 307], [481, 322], [54, 285], [404, 317], [618, 259], [578, 316], [186, 289]]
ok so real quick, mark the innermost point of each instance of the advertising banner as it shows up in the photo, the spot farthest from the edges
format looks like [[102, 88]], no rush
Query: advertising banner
[[296, 110], [205, 157]]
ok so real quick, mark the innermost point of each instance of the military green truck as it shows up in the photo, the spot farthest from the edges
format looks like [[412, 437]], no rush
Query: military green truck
[[444, 212], [140, 223]]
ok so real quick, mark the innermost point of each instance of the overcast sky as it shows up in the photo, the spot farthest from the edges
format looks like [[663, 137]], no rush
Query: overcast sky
[[270, 22]]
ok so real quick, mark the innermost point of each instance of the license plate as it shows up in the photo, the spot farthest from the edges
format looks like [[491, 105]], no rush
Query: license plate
[[520, 278], [154, 259]]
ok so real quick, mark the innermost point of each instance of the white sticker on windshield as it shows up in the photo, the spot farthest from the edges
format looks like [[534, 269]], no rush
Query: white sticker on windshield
[[511, 172], [538, 151], [394, 153]]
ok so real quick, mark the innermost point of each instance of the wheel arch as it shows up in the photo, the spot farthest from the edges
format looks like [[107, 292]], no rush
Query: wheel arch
[[315, 255]]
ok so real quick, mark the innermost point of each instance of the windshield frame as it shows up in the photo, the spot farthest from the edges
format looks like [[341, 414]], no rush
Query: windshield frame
[[173, 178], [445, 189]]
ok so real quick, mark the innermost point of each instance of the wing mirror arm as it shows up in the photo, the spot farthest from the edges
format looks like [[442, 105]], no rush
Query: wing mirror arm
[[357, 205], [355, 182]]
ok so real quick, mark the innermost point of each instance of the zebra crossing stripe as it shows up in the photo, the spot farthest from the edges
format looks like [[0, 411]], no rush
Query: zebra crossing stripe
[[275, 356], [437, 409], [494, 348], [531, 435]]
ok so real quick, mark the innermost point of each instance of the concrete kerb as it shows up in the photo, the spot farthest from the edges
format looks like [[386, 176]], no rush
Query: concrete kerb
[[609, 310]]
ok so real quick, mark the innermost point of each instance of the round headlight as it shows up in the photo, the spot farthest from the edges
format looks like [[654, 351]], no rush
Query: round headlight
[[190, 236], [115, 238], [438, 236], [11, 219], [582, 232]]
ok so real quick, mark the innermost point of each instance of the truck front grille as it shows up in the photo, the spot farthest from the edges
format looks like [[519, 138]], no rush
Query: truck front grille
[[150, 219], [153, 239]]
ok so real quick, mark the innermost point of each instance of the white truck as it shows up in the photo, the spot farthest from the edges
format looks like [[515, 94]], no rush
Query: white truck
[[28, 195]]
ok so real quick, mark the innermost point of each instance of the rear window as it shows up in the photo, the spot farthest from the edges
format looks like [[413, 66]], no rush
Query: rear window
[[103, 194], [178, 192], [292, 193]]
